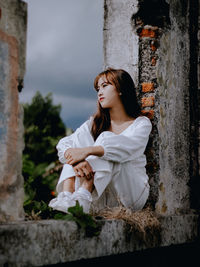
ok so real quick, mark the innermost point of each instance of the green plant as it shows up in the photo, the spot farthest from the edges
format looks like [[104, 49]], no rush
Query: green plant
[[84, 221]]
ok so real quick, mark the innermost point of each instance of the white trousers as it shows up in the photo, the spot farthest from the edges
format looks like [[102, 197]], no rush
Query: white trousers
[[128, 180]]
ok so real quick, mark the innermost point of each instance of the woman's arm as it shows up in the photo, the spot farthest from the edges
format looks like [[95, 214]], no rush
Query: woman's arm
[[96, 151], [74, 155]]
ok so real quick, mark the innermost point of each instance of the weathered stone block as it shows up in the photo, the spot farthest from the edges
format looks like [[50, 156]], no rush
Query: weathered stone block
[[40, 243]]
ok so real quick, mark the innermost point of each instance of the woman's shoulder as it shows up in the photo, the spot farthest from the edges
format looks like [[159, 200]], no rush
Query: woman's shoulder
[[142, 119]]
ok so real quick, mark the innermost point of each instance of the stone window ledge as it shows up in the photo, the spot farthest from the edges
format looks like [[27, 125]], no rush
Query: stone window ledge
[[46, 242]]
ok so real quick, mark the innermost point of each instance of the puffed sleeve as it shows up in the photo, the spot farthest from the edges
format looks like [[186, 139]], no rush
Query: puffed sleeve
[[128, 146], [63, 145], [80, 138]]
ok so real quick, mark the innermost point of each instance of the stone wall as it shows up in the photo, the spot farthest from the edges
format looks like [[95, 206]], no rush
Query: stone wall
[[12, 68], [174, 112], [154, 39]]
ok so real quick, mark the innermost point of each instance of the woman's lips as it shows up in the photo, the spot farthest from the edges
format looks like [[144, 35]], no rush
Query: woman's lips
[[101, 98]]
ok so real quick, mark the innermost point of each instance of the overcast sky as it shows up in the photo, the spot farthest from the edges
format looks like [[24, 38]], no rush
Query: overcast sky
[[64, 54]]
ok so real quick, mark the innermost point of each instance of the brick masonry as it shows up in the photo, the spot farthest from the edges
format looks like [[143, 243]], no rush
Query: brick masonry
[[147, 87], [149, 113], [150, 32], [148, 56], [148, 101]]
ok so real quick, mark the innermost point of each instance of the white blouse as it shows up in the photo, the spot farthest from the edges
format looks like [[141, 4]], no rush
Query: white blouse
[[123, 162]]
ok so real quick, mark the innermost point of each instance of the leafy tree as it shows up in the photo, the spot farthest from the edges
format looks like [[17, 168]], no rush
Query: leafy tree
[[43, 129]]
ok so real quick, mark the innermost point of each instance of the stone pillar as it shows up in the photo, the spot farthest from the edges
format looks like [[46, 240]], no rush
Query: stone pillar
[[173, 74], [13, 15], [120, 39]]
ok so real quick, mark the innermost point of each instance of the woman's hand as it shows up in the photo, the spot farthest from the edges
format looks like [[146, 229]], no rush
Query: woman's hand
[[75, 155], [83, 169]]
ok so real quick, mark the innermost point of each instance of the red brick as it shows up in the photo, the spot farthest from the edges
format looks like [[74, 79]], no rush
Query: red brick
[[148, 101], [148, 33], [148, 113], [154, 45], [147, 87], [153, 61]]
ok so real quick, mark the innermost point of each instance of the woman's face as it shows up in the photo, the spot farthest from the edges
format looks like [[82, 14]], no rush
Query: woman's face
[[107, 93]]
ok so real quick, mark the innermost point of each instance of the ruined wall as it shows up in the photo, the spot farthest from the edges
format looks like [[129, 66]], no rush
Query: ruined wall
[[152, 40], [12, 67]]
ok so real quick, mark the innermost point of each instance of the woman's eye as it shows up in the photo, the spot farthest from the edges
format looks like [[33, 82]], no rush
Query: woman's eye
[[105, 84]]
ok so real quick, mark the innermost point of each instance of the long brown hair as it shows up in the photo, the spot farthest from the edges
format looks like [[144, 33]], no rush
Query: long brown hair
[[124, 85]]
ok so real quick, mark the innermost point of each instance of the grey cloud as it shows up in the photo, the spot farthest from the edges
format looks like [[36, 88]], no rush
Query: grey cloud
[[75, 110], [68, 84]]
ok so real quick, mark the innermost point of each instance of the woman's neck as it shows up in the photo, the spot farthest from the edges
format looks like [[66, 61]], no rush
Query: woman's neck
[[118, 115]]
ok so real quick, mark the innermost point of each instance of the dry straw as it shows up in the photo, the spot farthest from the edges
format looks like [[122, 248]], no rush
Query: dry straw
[[144, 223]]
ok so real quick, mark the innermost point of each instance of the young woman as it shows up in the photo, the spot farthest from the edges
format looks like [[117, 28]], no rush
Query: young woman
[[108, 149]]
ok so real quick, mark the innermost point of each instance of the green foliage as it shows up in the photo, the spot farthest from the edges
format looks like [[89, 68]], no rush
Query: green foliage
[[84, 221], [43, 129]]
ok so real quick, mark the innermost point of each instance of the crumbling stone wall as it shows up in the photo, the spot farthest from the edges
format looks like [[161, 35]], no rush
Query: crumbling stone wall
[[152, 40], [12, 67], [178, 120]]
